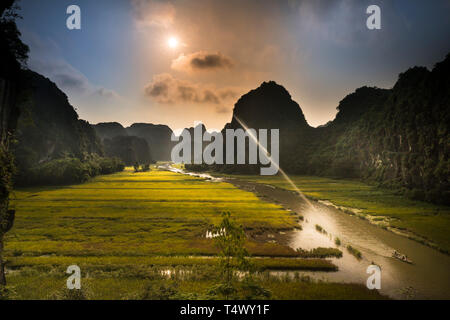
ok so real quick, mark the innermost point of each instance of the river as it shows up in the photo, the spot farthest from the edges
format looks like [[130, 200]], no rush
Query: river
[[427, 278]]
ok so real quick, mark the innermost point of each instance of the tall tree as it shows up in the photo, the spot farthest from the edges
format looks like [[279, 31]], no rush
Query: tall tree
[[13, 57]]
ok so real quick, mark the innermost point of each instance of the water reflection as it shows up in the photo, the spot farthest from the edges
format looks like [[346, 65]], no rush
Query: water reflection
[[427, 278]]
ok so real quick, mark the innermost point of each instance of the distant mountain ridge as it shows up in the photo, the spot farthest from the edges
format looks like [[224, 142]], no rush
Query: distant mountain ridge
[[109, 130], [157, 137]]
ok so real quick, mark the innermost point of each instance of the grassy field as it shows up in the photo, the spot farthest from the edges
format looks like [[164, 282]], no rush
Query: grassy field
[[124, 229], [151, 285], [137, 214], [423, 221]]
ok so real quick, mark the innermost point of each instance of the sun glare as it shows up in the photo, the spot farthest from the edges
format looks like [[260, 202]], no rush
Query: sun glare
[[172, 42]]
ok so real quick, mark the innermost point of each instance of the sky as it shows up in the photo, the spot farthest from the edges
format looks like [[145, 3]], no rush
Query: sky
[[176, 62]]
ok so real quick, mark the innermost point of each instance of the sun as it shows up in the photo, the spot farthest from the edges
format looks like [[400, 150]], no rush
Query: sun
[[172, 42]]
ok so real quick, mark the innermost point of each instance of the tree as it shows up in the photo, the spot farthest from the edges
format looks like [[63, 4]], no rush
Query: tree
[[6, 214], [230, 239], [13, 56], [13, 52]]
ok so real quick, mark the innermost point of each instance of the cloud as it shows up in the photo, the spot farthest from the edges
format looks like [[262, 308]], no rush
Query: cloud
[[202, 61], [166, 89], [46, 59], [151, 13]]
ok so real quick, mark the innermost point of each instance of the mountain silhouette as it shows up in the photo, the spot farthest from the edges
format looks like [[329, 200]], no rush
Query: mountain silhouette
[[109, 130], [397, 137], [157, 137], [269, 106]]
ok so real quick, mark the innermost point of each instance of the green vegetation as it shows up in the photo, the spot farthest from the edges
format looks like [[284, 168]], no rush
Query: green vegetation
[[337, 241], [320, 229], [7, 214], [138, 214], [129, 149], [91, 263], [141, 168], [230, 239], [69, 170], [151, 283], [13, 57], [320, 253], [354, 252], [421, 221], [142, 236], [374, 136]]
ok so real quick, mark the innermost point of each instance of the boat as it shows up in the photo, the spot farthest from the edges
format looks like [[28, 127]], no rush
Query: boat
[[401, 257]]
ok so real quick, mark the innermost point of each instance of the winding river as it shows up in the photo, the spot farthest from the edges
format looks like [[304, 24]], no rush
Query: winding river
[[427, 278]]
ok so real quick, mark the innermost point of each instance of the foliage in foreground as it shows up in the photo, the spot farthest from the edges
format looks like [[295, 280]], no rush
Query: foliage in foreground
[[230, 239], [191, 284]]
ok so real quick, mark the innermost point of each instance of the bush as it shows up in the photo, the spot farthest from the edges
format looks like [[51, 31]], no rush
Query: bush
[[68, 171], [59, 171], [355, 252], [111, 165]]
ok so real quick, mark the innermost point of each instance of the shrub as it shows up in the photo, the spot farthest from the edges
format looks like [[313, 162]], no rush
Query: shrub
[[110, 165], [68, 170], [337, 241], [59, 171], [320, 253], [354, 252]]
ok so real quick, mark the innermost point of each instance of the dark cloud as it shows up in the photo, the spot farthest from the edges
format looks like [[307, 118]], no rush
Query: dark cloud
[[202, 61], [158, 89], [166, 89]]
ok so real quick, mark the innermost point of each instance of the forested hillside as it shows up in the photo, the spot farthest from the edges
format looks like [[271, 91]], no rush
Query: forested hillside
[[401, 140], [54, 146], [397, 137], [129, 149], [118, 143], [157, 137]]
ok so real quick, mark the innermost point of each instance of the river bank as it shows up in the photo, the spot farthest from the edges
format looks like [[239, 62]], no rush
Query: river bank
[[427, 278]]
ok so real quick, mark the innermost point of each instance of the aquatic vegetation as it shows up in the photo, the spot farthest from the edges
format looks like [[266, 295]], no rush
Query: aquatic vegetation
[[355, 252], [320, 253], [337, 241], [320, 229]]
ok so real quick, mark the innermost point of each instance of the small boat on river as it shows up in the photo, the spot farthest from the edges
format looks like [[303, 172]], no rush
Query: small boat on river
[[401, 257]]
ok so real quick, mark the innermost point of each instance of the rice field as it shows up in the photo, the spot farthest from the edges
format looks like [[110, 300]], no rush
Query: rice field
[[123, 230]]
